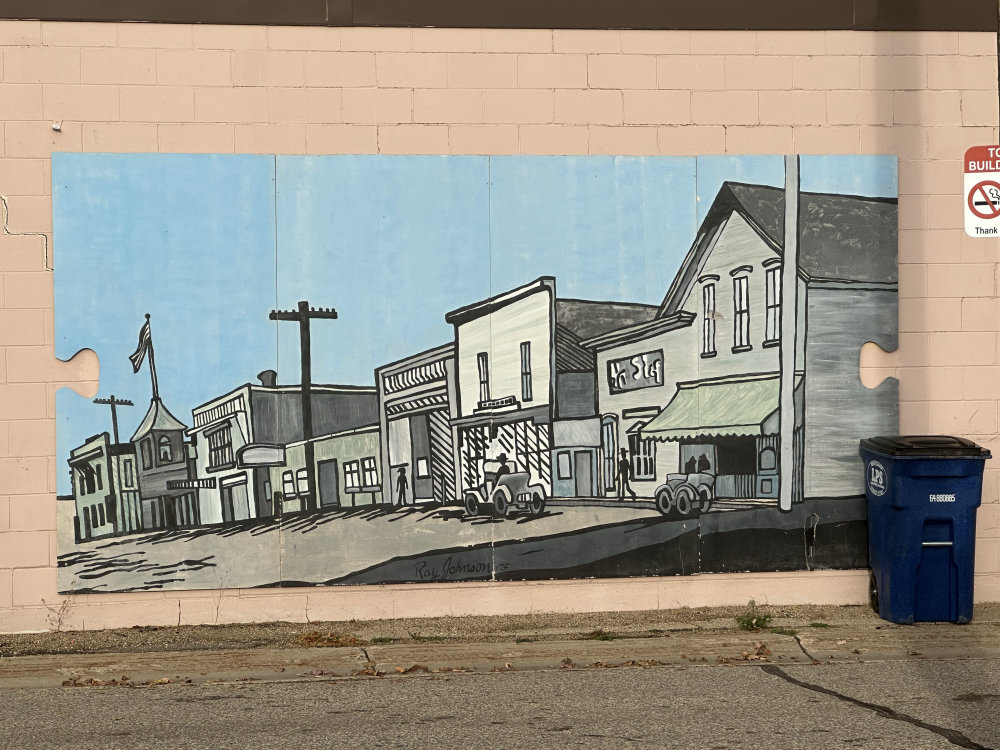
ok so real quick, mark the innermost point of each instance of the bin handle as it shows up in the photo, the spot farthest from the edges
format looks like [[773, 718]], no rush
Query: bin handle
[[937, 544]]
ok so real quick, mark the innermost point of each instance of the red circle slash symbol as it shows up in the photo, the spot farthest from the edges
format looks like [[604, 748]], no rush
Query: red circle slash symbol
[[984, 199]]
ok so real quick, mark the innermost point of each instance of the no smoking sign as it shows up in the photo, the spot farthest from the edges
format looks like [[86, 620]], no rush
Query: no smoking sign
[[982, 191]]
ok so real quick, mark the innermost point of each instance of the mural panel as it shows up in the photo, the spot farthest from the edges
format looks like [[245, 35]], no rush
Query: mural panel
[[380, 369]]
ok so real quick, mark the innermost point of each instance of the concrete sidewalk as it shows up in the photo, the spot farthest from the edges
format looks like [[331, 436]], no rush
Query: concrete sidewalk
[[713, 642]]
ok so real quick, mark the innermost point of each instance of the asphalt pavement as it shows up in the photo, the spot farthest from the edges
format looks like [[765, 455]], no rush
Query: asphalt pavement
[[814, 678]]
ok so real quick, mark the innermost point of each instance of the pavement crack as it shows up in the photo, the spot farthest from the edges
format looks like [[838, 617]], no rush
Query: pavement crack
[[803, 648], [952, 735]]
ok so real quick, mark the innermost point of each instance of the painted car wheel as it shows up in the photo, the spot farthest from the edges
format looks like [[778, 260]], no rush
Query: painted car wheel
[[684, 500], [537, 504], [472, 504], [500, 504], [705, 494], [664, 502]]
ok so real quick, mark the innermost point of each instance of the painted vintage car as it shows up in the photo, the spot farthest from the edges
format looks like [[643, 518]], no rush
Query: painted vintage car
[[511, 492], [685, 495]]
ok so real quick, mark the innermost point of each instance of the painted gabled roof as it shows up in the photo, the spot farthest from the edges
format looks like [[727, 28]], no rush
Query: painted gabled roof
[[157, 418], [846, 238]]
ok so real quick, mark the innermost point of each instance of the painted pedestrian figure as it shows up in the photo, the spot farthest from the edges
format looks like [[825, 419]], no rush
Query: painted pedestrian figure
[[624, 475], [402, 484]]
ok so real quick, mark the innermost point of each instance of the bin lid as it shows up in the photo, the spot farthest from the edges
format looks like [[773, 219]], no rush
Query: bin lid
[[937, 446]]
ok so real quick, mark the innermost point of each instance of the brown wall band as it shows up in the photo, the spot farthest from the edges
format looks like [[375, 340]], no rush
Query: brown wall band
[[883, 15]]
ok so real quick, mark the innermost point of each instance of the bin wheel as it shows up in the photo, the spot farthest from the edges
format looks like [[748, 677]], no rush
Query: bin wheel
[[873, 592]]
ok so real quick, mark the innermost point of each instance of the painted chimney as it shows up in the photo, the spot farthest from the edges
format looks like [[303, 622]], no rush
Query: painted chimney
[[268, 378]]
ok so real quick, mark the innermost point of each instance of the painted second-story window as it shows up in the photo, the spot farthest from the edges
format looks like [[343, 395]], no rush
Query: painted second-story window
[[164, 452], [526, 371], [127, 467], [97, 473], [741, 313], [220, 447], [146, 448], [483, 362], [772, 305], [708, 320]]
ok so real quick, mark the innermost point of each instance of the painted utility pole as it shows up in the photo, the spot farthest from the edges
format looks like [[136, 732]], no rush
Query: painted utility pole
[[114, 402], [115, 479], [303, 315], [789, 336]]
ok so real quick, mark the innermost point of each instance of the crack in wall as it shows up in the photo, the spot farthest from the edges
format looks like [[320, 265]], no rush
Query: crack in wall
[[6, 230], [952, 735]]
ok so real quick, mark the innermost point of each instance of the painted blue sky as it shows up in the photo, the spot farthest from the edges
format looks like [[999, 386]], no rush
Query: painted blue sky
[[210, 244]]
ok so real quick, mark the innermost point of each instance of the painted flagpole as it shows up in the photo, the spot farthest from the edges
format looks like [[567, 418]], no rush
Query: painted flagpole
[[145, 347], [152, 362]]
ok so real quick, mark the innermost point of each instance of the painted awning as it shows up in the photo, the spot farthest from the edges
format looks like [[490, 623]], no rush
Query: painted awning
[[724, 406]]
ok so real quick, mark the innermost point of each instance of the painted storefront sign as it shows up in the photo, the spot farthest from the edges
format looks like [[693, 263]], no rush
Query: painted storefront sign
[[368, 369]]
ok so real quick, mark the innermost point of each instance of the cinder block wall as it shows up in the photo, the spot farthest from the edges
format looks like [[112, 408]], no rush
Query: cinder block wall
[[190, 88]]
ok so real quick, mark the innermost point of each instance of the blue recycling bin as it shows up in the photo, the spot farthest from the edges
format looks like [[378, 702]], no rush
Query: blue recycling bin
[[923, 492]]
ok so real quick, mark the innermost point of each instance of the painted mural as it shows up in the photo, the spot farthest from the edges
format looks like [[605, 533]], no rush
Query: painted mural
[[382, 369]]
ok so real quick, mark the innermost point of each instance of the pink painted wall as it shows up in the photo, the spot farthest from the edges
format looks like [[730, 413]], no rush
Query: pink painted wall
[[184, 88]]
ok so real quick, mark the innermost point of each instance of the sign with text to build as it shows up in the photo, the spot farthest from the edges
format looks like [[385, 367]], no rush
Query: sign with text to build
[[982, 191]]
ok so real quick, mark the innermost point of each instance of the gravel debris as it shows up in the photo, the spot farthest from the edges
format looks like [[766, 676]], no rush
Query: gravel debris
[[477, 629]]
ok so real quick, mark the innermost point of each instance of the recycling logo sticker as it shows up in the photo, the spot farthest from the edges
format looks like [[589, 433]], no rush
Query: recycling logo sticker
[[876, 478]]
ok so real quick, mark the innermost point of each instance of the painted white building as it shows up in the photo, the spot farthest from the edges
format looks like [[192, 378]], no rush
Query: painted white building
[[105, 488], [526, 387], [714, 409]]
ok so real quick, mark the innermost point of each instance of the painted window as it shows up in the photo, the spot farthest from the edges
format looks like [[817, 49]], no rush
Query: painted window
[[768, 459], [220, 448], [423, 468], [352, 475], [741, 313], [100, 514], [127, 468], [483, 361], [97, 473], [93, 516], [526, 371], [302, 481], [369, 471], [772, 304], [708, 320], [165, 453], [90, 480], [288, 484], [562, 459], [643, 451], [82, 476], [146, 448]]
